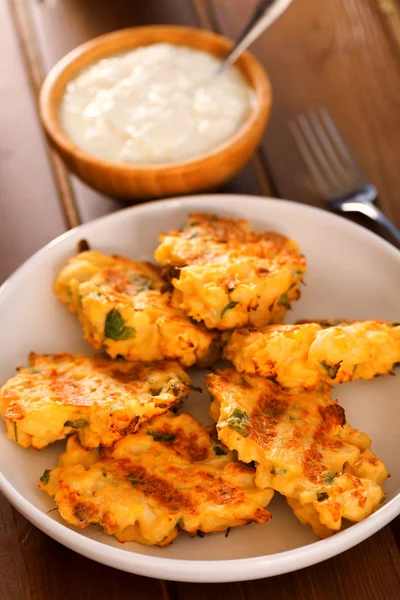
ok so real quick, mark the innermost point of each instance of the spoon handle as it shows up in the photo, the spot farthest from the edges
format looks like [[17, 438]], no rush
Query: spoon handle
[[265, 14]]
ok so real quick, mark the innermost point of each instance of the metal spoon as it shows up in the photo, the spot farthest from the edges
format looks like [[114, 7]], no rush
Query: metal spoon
[[265, 14]]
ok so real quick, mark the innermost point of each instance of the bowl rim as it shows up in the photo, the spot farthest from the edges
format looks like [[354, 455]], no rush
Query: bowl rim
[[246, 63], [202, 571]]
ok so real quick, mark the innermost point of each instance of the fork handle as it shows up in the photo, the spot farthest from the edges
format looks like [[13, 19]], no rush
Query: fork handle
[[372, 212]]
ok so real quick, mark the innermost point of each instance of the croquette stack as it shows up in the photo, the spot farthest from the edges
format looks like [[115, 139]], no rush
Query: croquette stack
[[143, 469]]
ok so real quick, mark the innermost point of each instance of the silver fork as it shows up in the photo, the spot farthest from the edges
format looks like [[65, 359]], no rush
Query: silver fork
[[333, 169]]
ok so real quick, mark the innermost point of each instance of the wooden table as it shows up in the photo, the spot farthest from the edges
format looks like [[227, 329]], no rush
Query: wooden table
[[344, 54]]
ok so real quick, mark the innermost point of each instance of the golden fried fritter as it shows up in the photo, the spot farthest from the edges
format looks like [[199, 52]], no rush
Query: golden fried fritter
[[355, 493], [306, 354], [166, 477], [228, 275], [302, 446], [122, 307], [99, 398]]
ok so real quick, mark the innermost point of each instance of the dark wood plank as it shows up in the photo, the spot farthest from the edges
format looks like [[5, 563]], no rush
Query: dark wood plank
[[34, 567], [12, 569], [27, 550], [29, 212], [363, 573], [390, 10], [63, 25], [341, 57], [35, 71]]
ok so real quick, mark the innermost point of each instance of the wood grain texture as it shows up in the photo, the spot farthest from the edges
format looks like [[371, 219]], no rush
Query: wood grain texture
[[390, 10], [333, 57], [340, 57], [36, 72], [346, 577], [12, 568], [34, 567], [29, 212]]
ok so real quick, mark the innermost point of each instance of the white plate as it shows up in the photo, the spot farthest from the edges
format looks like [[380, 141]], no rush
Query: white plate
[[352, 274]]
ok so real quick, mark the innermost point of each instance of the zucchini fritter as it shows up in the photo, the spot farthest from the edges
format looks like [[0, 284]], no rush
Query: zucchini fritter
[[302, 446], [306, 354], [99, 398], [167, 476], [228, 275], [122, 307]]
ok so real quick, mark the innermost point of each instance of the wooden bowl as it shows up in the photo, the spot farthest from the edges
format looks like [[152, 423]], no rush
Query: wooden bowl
[[130, 180]]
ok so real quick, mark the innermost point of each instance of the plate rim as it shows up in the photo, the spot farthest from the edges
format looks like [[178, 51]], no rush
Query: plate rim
[[199, 571]]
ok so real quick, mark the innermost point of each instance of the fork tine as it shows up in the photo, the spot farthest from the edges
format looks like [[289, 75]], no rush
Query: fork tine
[[341, 147], [346, 178], [314, 146], [308, 158]]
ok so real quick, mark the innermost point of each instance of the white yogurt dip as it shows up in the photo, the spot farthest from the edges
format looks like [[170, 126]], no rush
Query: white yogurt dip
[[159, 103]]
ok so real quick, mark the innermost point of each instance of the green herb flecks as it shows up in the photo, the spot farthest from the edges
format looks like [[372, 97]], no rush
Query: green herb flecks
[[141, 283], [45, 478], [274, 471], [15, 432], [228, 307], [181, 523], [219, 451], [284, 299], [327, 324], [76, 424], [132, 481], [239, 422], [115, 327], [321, 496], [159, 436], [330, 477], [382, 500], [176, 389], [332, 370], [354, 370]]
